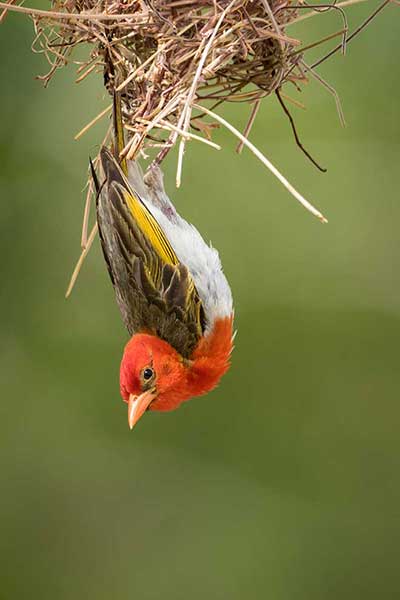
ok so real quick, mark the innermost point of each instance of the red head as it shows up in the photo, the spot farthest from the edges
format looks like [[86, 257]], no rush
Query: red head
[[152, 375], [155, 376]]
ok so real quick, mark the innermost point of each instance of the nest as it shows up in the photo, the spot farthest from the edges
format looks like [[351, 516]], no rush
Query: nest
[[165, 55], [168, 58], [172, 62]]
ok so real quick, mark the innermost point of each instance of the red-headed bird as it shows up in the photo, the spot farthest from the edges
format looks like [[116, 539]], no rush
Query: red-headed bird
[[173, 296]]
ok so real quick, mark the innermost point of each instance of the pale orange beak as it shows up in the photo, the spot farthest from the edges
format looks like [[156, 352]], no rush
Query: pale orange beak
[[138, 405]]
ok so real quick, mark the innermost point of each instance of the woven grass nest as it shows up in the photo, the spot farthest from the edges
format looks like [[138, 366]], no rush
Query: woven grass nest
[[171, 59], [173, 62], [166, 56]]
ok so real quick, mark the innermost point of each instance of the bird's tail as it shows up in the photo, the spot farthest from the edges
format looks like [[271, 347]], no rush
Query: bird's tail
[[119, 138]]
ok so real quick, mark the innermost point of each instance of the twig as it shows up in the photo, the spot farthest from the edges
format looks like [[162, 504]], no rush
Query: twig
[[92, 122], [293, 101], [4, 12], [52, 14], [86, 73], [80, 261], [86, 212], [296, 137], [186, 111], [342, 32], [266, 162], [313, 13], [331, 89], [168, 126], [250, 124], [353, 35]]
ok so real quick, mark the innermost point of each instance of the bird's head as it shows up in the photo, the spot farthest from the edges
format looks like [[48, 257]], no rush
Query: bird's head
[[152, 376]]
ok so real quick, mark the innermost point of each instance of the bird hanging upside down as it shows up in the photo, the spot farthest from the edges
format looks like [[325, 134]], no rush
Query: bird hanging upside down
[[173, 296]]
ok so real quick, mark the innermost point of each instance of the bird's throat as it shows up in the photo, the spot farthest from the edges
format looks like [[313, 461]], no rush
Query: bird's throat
[[211, 358]]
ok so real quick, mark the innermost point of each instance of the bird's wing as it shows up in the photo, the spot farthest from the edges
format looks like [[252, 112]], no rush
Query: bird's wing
[[155, 292]]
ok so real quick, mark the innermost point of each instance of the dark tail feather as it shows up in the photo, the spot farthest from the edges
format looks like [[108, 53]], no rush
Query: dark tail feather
[[119, 141], [96, 182], [111, 168]]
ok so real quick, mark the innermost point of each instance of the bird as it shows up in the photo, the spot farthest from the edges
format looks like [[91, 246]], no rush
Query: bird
[[174, 298]]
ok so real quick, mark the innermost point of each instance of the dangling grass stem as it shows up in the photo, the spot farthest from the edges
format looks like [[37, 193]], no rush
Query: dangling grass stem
[[307, 205]]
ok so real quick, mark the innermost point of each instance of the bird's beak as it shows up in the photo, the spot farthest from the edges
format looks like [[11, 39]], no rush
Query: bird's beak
[[137, 405]]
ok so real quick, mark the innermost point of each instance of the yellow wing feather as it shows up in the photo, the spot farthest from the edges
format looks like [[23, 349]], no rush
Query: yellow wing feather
[[151, 229]]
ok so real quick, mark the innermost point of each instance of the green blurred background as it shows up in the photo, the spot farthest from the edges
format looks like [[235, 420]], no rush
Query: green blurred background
[[284, 482]]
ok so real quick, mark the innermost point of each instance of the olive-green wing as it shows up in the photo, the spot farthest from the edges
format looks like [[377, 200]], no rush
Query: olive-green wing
[[154, 291]]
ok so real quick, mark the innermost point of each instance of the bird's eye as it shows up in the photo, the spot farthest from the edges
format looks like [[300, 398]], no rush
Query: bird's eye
[[148, 373]]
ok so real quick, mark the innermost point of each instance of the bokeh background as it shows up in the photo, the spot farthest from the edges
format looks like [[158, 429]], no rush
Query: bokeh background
[[284, 482]]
